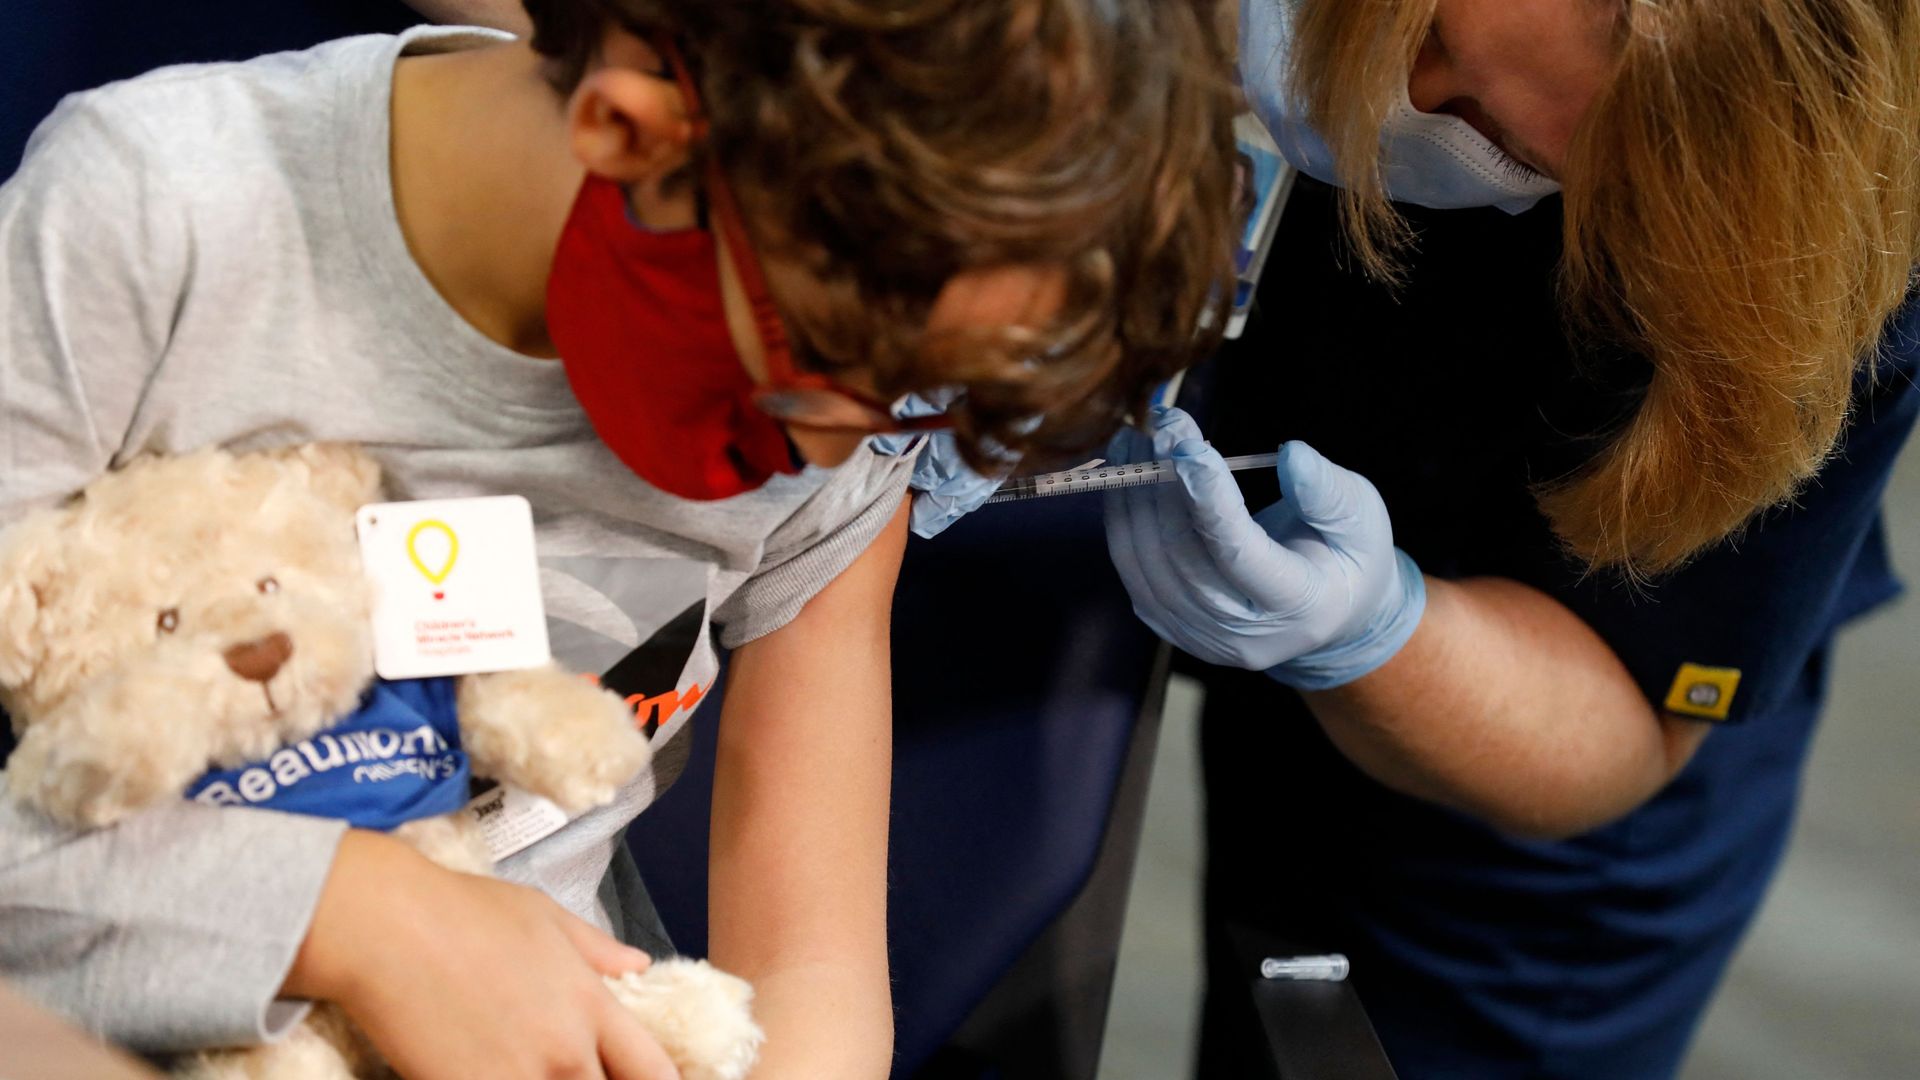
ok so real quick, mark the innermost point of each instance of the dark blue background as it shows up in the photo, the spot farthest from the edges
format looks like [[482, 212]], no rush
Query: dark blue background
[[50, 48]]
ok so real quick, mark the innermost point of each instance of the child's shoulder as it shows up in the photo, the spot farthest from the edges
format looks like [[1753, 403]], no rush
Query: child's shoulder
[[196, 118]]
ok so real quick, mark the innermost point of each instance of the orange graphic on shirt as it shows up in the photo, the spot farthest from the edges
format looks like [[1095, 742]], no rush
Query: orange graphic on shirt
[[652, 711]]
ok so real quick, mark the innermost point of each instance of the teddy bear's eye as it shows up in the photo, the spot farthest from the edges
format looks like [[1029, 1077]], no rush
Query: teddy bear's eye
[[169, 620], [267, 585]]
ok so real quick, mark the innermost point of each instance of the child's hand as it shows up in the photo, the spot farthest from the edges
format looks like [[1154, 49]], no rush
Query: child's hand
[[455, 976]]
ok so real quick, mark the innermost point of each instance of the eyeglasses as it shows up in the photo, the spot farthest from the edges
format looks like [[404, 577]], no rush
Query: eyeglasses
[[799, 398]]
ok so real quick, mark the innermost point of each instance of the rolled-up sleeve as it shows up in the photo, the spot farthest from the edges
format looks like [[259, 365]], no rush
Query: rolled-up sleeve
[[813, 548]]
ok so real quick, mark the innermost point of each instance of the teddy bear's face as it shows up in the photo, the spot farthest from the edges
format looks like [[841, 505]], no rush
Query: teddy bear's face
[[183, 613]]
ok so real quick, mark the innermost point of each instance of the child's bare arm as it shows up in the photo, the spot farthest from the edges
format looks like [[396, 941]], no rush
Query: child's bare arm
[[801, 789]]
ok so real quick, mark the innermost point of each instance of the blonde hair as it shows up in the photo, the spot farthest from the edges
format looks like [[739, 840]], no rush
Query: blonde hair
[[1740, 207]]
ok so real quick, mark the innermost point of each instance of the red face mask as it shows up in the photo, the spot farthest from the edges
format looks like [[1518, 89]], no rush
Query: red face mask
[[642, 331]]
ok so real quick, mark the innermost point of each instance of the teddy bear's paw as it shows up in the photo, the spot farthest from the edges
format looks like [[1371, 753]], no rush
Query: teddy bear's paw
[[553, 734], [451, 840], [89, 790], [699, 1014], [80, 794], [310, 1051], [620, 752]]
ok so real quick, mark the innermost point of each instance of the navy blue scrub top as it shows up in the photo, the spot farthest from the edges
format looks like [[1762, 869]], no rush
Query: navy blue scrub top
[[1479, 954]]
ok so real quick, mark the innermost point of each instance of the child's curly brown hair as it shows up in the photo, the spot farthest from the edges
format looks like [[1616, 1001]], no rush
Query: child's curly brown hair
[[886, 145]]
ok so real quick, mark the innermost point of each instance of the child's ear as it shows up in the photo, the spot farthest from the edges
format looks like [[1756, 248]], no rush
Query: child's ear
[[29, 559], [629, 126]]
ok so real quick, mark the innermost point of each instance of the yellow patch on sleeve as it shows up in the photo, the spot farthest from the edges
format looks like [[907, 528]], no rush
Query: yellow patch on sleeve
[[1703, 692]]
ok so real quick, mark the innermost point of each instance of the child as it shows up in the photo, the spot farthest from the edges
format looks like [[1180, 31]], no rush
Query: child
[[740, 228]]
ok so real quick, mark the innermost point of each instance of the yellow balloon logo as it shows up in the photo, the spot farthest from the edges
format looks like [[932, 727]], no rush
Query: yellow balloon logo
[[420, 564]]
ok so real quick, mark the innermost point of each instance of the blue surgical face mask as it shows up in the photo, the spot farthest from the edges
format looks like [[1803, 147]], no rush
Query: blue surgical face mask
[[1425, 158]]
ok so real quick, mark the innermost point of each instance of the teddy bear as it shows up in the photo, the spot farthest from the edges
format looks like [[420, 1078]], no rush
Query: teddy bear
[[202, 623]]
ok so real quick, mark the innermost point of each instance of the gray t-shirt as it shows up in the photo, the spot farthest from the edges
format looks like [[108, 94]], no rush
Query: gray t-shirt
[[210, 255]]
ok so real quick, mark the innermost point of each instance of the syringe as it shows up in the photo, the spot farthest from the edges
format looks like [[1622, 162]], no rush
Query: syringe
[[1106, 477]]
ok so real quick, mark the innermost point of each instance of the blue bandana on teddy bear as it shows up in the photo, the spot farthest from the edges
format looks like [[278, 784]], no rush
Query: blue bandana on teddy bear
[[395, 759]]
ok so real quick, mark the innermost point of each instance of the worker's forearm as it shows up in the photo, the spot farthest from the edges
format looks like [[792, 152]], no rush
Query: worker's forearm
[[1505, 705]]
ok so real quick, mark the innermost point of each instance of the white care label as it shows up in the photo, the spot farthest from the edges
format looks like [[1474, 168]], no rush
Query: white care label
[[456, 586], [511, 819]]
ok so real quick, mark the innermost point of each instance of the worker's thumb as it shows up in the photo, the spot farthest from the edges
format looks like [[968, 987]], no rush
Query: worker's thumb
[[1337, 503]]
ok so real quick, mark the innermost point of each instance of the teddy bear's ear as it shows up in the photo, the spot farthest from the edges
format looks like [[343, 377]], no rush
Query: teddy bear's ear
[[29, 559], [19, 614], [340, 473]]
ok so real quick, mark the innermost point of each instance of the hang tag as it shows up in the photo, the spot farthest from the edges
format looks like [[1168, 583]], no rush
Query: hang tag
[[456, 586]]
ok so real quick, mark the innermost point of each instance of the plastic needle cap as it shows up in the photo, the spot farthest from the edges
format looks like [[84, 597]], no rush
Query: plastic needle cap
[[1330, 968]]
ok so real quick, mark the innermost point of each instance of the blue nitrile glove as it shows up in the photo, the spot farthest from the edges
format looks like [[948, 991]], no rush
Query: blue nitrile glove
[[1311, 589], [945, 489]]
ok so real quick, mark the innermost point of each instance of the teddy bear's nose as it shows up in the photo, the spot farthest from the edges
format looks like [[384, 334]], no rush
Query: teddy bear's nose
[[258, 661]]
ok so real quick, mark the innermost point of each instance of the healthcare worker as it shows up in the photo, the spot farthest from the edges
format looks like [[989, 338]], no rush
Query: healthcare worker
[[1588, 436]]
